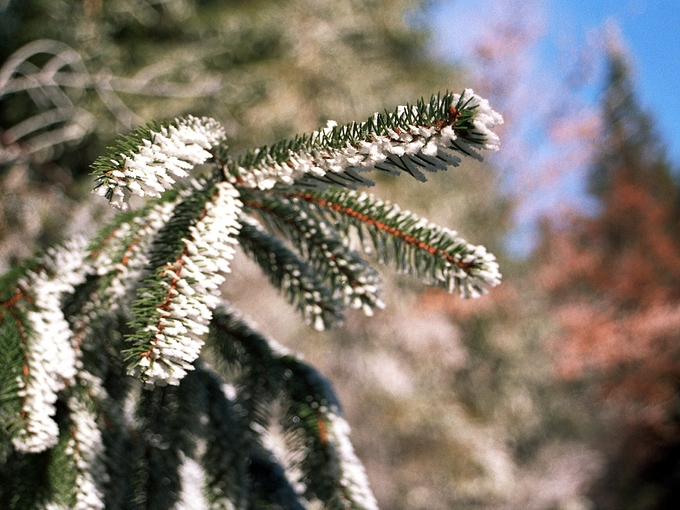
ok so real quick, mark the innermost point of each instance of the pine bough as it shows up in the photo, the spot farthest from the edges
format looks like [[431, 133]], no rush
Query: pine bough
[[105, 399]]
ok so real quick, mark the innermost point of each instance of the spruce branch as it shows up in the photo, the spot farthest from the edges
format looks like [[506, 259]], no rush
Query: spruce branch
[[12, 361], [85, 443], [60, 475], [143, 297], [297, 279], [353, 281], [330, 471], [416, 246], [144, 162], [225, 460], [49, 360], [156, 449], [174, 307], [248, 356], [270, 488], [120, 252], [422, 136]]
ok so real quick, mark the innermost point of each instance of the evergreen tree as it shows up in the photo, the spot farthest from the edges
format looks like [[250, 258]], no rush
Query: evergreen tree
[[614, 283], [107, 400], [630, 147]]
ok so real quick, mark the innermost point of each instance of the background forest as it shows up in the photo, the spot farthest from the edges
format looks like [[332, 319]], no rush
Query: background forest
[[557, 390]]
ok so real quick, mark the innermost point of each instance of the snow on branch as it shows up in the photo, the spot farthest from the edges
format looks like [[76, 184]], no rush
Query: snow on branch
[[50, 356], [288, 272], [174, 310], [85, 443], [416, 137], [121, 256], [353, 281], [145, 162], [416, 246], [313, 423]]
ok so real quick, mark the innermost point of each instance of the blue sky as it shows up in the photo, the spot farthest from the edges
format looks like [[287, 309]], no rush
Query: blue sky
[[650, 29]]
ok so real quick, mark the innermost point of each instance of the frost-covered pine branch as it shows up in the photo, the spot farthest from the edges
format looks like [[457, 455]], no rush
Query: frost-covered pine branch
[[144, 162], [427, 136], [103, 342]]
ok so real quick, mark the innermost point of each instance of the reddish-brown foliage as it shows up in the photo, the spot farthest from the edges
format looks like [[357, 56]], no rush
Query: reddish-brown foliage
[[614, 281]]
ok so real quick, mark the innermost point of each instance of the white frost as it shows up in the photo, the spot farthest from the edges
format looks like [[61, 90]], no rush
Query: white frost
[[365, 155], [192, 289], [173, 151], [86, 447], [51, 356], [353, 481]]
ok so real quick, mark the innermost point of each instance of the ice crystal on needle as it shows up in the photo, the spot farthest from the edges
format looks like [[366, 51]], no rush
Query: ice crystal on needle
[[154, 156], [191, 283], [406, 137], [51, 356]]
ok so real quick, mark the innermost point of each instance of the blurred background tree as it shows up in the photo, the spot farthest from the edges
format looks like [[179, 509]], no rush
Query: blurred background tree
[[614, 282]]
